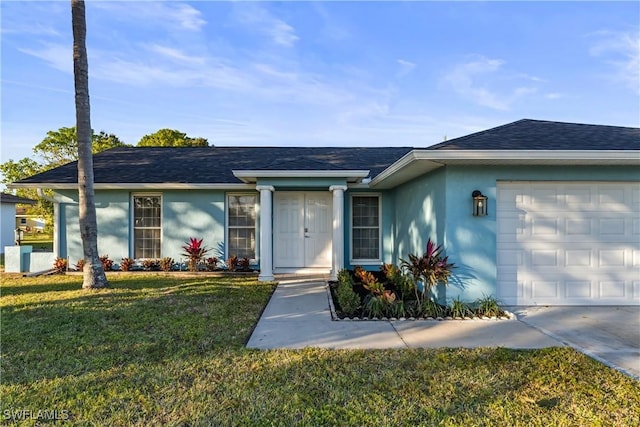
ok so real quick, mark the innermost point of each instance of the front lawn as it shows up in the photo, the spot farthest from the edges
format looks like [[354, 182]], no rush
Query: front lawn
[[158, 350]]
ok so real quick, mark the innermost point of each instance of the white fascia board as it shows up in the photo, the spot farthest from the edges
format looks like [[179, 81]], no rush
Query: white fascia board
[[249, 176], [418, 162], [525, 155], [138, 186], [406, 166]]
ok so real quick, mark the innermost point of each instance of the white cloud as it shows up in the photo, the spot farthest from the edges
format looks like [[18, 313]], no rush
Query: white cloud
[[176, 54], [621, 50], [405, 67], [258, 19], [58, 56], [554, 95], [176, 15], [474, 80]]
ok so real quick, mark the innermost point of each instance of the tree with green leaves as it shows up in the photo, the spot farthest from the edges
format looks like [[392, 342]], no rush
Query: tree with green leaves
[[94, 276], [57, 148], [13, 171], [171, 138], [61, 146]]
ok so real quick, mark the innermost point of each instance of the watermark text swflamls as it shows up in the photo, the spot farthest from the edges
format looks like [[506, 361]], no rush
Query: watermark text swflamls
[[39, 415]]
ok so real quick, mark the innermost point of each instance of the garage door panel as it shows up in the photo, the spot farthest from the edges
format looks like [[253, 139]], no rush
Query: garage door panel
[[578, 257], [612, 289], [611, 258], [544, 258], [578, 227], [579, 289], [568, 243], [612, 196]]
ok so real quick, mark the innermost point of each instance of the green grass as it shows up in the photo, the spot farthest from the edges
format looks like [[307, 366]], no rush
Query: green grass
[[158, 350], [41, 242]]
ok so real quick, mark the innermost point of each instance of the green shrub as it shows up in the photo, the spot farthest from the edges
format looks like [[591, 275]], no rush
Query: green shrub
[[488, 306], [459, 308], [431, 308], [348, 299]]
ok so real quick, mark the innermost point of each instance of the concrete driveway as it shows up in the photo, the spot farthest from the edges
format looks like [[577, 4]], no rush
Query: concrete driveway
[[608, 334]]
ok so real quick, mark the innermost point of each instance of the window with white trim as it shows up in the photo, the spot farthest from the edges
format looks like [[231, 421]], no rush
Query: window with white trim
[[147, 226], [365, 227], [241, 228]]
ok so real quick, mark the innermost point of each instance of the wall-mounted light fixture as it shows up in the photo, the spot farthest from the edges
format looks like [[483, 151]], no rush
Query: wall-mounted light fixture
[[479, 203]]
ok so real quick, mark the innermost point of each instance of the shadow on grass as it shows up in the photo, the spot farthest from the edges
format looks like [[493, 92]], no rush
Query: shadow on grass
[[16, 284], [78, 332]]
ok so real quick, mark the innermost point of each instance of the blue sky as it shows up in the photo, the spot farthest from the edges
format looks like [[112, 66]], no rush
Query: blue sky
[[319, 73]]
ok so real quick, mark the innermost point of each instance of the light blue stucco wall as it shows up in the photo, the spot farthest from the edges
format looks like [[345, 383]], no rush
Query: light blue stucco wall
[[420, 213], [7, 225], [185, 214], [199, 214], [113, 217], [436, 205], [471, 241]]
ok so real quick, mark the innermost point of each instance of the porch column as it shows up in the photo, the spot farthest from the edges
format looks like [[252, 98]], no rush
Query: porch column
[[338, 229], [266, 237]]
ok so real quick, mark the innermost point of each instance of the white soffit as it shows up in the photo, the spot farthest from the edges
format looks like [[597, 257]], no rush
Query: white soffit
[[251, 176], [419, 162]]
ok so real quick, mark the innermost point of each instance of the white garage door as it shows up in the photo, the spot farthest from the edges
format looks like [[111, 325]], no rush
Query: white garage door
[[568, 243]]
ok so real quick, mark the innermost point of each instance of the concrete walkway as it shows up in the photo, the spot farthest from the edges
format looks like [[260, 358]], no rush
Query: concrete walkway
[[298, 316]]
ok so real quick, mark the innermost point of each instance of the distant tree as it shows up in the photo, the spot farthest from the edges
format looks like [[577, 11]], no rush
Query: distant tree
[[14, 171], [61, 146], [94, 276], [171, 138], [57, 148]]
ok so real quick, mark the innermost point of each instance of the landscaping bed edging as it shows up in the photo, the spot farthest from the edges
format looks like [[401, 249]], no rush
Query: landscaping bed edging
[[336, 318]]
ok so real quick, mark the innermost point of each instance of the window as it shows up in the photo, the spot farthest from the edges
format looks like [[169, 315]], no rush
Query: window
[[365, 228], [147, 226], [241, 230]]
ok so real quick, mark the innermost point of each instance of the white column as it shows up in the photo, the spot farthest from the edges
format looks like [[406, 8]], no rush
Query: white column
[[338, 229], [266, 236]]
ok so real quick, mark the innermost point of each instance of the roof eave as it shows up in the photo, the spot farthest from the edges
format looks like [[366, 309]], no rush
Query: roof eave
[[139, 186], [419, 162], [251, 176]]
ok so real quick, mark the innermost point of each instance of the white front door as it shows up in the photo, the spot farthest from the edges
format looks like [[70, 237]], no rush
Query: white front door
[[302, 229]]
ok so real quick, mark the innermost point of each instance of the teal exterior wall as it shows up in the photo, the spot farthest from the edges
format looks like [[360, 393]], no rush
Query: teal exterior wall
[[470, 241], [193, 213], [420, 213], [436, 205], [185, 214]]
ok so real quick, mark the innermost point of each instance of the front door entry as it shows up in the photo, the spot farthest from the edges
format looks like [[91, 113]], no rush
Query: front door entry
[[302, 229]]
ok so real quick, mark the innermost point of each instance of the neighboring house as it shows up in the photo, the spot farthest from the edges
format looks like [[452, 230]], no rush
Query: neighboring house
[[29, 224], [562, 225], [8, 204]]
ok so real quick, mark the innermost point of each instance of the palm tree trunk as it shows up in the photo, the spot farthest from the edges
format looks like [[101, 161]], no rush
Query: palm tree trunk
[[94, 276]]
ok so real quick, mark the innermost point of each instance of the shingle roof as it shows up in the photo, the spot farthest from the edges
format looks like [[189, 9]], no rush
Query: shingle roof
[[214, 165], [529, 134], [10, 198]]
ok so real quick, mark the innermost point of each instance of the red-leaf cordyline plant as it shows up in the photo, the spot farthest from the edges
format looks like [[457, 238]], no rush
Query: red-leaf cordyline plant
[[195, 251], [432, 268]]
